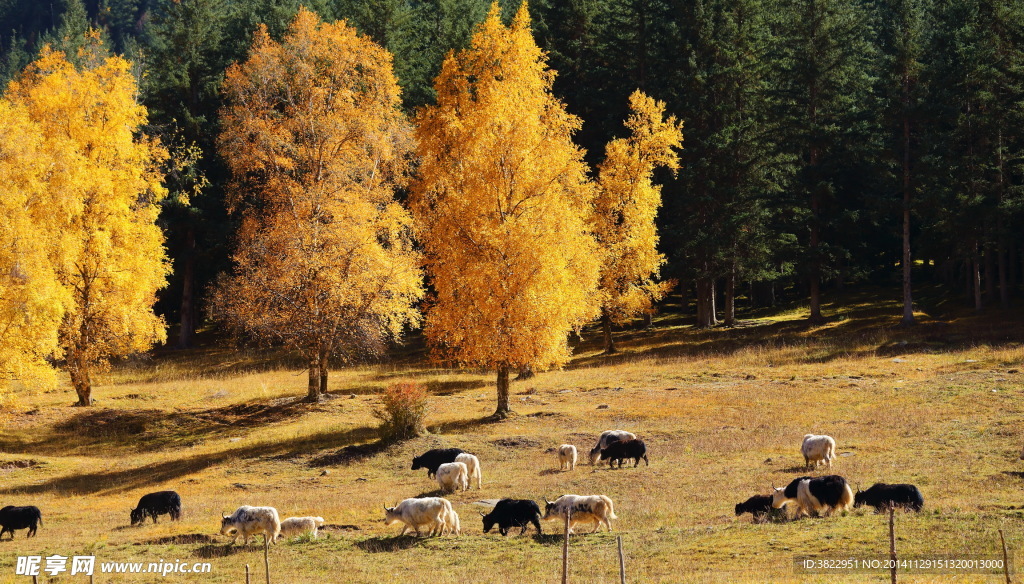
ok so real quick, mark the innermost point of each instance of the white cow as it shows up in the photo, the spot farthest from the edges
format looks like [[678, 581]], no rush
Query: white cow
[[816, 448], [424, 512], [452, 476], [246, 521], [567, 457], [473, 466], [607, 437], [596, 509], [301, 525]]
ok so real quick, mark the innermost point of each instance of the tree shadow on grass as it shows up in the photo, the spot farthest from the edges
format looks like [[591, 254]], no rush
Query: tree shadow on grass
[[376, 545], [218, 550], [549, 538], [550, 471], [434, 493], [349, 454], [134, 478], [148, 430]]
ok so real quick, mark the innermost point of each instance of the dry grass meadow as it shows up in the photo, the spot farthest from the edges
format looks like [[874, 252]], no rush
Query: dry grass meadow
[[723, 412]]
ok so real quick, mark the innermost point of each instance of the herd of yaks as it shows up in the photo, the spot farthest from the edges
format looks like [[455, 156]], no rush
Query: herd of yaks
[[826, 494], [454, 469]]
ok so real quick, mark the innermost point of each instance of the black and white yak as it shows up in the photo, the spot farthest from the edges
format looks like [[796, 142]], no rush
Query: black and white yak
[[815, 496]]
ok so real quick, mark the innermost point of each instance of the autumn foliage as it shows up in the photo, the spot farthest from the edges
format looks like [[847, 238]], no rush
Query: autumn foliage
[[317, 145], [626, 207], [87, 250], [502, 202]]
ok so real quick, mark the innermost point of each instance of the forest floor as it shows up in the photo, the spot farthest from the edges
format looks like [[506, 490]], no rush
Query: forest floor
[[723, 412]]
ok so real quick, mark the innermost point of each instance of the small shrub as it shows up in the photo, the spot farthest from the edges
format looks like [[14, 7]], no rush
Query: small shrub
[[402, 412]]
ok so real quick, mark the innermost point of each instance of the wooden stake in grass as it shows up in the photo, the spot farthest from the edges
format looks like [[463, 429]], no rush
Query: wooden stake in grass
[[892, 543], [247, 574], [266, 556], [1006, 561], [622, 562], [565, 549]]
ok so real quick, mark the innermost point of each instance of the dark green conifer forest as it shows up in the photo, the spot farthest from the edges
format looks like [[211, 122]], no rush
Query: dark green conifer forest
[[829, 144]]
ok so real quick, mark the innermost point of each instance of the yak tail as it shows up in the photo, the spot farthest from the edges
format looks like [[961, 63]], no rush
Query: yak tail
[[846, 499], [611, 508]]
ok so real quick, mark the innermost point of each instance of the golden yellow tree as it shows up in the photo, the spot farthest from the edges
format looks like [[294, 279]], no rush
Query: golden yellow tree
[[626, 206], [32, 301], [108, 252], [316, 141], [502, 203]]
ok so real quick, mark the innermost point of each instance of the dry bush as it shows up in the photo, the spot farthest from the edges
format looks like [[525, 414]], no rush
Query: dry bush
[[402, 412]]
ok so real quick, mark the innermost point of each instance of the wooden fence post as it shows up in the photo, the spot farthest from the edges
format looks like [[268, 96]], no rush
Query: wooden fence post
[[266, 556], [622, 562], [247, 574], [1006, 561], [565, 549], [892, 543]]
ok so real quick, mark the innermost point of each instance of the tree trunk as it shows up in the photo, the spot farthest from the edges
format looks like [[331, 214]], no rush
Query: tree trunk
[[648, 319], [1004, 287], [313, 390], [705, 302], [188, 313], [525, 372], [908, 299], [976, 279], [503, 411], [815, 317], [323, 374], [609, 342], [730, 298], [990, 277], [81, 382]]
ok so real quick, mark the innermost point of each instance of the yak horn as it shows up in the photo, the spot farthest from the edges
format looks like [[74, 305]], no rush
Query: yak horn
[[481, 514], [546, 500]]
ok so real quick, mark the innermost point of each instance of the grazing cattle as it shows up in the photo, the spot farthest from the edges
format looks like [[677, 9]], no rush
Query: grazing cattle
[[434, 458], [159, 503], [27, 517], [301, 525], [607, 437], [624, 450], [760, 506], [596, 509], [817, 448], [429, 512], [882, 496], [473, 466], [246, 521], [566, 457], [814, 495], [452, 476], [510, 513]]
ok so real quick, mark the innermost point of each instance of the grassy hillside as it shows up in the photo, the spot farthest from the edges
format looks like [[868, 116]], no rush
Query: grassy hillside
[[723, 412]]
